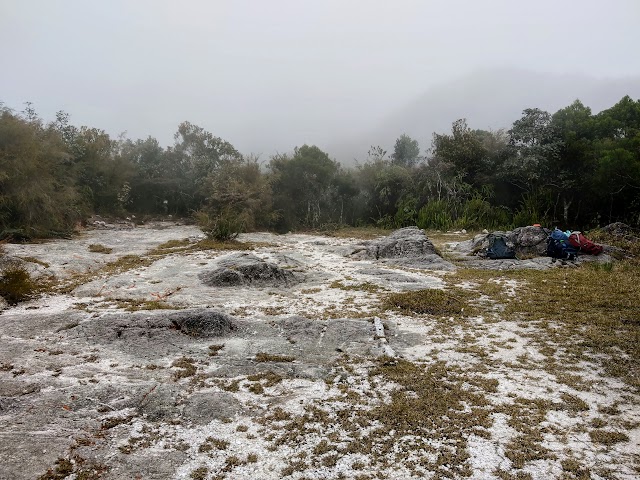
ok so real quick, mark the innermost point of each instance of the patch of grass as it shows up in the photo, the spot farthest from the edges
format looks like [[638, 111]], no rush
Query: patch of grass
[[360, 287], [270, 357], [137, 305], [574, 404], [215, 349], [268, 379], [98, 248], [63, 468], [173, 244], [35, 260], [212, 443], [16, 285], [431, 301], [231, 462], [199, 473], [186, 368], [428, 415], [608, 437], [587, 311], [574, 467], [527, 448]]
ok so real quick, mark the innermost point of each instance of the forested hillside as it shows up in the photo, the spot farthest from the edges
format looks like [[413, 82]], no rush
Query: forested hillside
[[571, 168]]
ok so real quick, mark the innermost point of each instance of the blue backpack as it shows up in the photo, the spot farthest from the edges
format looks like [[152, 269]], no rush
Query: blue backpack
[[558, 246]]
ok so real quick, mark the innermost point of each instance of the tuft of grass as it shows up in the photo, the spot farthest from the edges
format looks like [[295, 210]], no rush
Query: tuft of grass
[[270, 357], [98, 248], [199, 473], [212, 443], [16, 285]]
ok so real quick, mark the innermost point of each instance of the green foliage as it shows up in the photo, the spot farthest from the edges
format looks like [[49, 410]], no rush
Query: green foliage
[[436, 214], [222, 227], [16, 285], [406, 151], [478, 213]]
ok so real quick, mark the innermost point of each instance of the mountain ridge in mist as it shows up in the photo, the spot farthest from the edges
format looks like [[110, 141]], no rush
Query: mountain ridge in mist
[[488, 99]]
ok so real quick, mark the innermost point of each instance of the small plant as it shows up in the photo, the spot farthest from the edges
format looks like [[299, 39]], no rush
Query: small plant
[[98, 248], [16, 285]]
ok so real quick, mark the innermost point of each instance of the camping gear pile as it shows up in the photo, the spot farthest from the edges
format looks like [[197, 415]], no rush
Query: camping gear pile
[[567, 245], [559, 245]]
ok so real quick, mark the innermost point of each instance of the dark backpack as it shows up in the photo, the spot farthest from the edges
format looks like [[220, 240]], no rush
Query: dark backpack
[[558, 246], [498, 247], [583, 244]]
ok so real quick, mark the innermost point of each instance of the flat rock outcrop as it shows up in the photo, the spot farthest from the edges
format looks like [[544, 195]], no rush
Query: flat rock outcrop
[[244, 269]]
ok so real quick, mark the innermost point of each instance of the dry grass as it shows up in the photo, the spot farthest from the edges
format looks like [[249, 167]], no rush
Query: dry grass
[[427, 416], [98, 248], [432, 302], [573, 312], [137, 305], [270, 357]]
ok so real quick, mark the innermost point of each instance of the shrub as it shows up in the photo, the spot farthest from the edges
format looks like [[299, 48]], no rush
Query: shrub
[[16, 285], [222, 227]]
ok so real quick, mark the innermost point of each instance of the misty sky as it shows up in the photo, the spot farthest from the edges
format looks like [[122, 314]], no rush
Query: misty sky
[[269, 75]]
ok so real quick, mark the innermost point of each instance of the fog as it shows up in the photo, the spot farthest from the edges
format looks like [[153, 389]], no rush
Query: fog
[[268, 76]]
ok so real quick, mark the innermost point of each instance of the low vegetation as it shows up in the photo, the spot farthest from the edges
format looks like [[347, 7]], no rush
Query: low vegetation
[[16, 285], [98, 248]]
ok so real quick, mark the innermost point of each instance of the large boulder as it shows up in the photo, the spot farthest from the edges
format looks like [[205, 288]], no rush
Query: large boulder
[[528, 242], [240, 269], [408, 247]]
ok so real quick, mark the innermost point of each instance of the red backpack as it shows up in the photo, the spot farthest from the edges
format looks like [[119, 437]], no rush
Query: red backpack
[[582, 243]]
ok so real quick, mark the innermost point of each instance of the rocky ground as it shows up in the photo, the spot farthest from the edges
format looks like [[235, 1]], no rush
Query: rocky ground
[[156, 355]]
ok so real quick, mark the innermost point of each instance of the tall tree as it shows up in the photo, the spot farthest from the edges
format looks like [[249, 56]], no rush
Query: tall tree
[[406, 151]]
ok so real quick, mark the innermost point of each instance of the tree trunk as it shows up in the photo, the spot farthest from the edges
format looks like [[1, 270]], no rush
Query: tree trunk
[[565, 208]]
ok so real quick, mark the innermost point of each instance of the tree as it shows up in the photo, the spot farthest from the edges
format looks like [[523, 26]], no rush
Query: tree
[[463, 149], [38, 196], [571, 172], [406, 152], [303, 187]]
